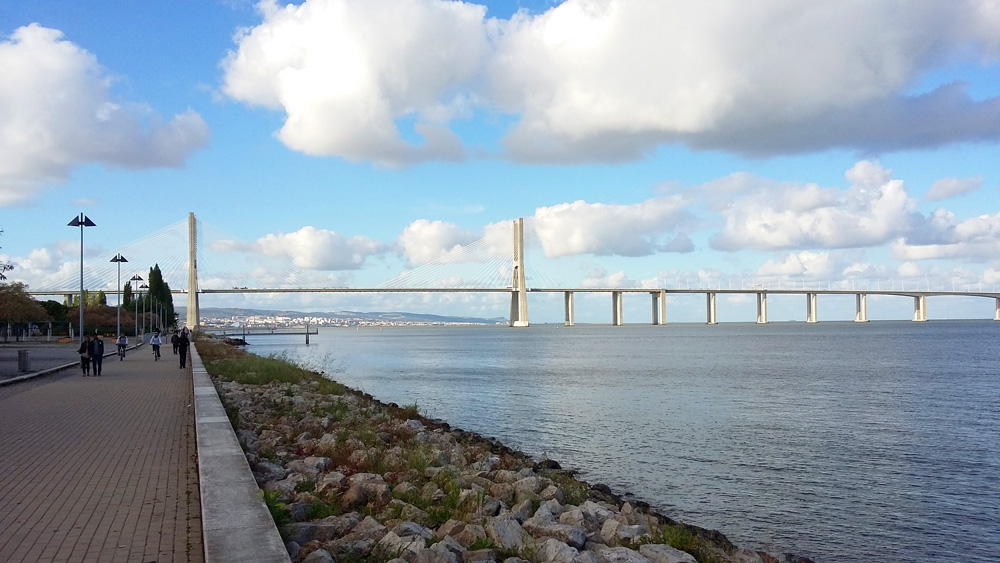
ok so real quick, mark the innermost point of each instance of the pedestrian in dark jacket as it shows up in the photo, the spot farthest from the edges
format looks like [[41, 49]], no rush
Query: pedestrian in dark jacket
[[173, 340], [97, 354], [84, 352], [182, 347]]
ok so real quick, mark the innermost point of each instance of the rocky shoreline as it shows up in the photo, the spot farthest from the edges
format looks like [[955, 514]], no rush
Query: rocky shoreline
[[348, 478]]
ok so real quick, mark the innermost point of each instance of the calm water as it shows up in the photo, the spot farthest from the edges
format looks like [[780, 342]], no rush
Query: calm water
[[838, 441]]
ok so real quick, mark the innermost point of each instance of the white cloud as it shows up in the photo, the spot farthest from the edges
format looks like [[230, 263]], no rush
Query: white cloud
[[320, 249], [945, 236], [609, 80], [812, 265], [599, 278], [344, 70], [613, 229], [951, 187], [909, 270], [56, 112], [874, 210], [424, 241]]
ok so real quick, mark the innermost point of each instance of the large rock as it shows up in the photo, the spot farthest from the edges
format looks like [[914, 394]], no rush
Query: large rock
[[435, 556], [614, 532], [505, 532], [323, 530], [405, 529], [407, 548], [333, 482], [363, 492], [367, 529], [746, 555], [661, 553], [571, 535], [318, 556], [620, 555], [554, 551], [479, 556]]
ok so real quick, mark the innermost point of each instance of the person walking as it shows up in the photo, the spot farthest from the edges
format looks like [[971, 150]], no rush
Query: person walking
[[97, 354], [122, 344], [155, 342], [173, 340], [84, 352], [182, 347]]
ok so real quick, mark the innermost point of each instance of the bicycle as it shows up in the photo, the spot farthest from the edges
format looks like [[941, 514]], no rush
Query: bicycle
[[156, 352], [121, 352]]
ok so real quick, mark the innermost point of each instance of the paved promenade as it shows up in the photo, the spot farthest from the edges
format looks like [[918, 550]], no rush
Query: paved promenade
[[101, 469]]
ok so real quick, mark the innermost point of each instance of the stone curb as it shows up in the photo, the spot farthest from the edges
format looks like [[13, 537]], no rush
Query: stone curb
[[236, 524]]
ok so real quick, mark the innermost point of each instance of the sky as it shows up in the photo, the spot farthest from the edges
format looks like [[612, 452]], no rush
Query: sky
[[722, 144]]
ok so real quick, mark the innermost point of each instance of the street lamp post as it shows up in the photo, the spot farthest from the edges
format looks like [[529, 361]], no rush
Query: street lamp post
[[119, 259], [144, 287], [135, 304], [81, 221]]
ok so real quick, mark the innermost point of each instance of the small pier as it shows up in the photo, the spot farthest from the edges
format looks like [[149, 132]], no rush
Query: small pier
[[244, 332]]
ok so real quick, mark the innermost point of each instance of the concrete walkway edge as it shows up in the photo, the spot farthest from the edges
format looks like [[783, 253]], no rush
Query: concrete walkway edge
[[236, 524]]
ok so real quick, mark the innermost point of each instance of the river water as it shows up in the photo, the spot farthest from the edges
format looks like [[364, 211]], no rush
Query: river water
[[837, 441]]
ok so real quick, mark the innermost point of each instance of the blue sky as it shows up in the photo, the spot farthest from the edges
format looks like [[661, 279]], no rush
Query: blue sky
[[645, 144]]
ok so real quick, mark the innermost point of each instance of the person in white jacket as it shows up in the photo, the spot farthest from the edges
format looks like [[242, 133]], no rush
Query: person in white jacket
[[155, 342], [122, 344]]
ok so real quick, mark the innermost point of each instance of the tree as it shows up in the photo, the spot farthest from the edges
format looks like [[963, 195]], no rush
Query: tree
[[4, 267], [127, 296], [56, 310], [16, 306], [159, 294]]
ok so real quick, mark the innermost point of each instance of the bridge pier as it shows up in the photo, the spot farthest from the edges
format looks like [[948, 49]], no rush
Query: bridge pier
[[812, 308], [616, 308], [919, 308], [710, 301], [518, 293], [996, 316], [761, 308], [659, 307], [861, 308], [568, 301]]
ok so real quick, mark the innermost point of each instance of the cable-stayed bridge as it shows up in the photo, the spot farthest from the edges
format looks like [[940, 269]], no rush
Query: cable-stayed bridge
[[196, 259]]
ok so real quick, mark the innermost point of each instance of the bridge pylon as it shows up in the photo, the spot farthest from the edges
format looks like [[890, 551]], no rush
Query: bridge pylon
[[193, 315], [518, 290]]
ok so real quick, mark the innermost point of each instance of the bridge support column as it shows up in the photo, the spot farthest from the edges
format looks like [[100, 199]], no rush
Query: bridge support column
[[762, 308], [861, 308], [812, 308], [710, 309], [616, 308], [996, 316], [193, 315], [519, 292], [568, 300], [919, 308], [659, 307]]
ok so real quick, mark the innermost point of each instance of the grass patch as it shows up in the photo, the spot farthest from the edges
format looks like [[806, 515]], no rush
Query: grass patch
[[678, 536], [230, 363]]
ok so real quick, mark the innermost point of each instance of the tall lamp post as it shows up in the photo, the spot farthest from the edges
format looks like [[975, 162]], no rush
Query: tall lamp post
[[119, 259], [81, 221], [144, 287], [135, 303]]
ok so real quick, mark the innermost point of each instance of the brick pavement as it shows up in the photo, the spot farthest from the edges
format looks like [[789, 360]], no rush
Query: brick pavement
[[101, 469]]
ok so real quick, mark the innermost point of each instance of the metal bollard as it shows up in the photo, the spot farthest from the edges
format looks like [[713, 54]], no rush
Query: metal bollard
[[23, 361]]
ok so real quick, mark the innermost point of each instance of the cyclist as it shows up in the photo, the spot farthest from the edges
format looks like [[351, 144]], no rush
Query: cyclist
[[122, 343], [155, 341]]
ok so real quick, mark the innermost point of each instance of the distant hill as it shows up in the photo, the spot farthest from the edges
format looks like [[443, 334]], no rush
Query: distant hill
[[392, 316]]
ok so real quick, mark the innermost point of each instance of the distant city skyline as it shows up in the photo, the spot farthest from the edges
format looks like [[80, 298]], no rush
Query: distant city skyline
[[646, 143]]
